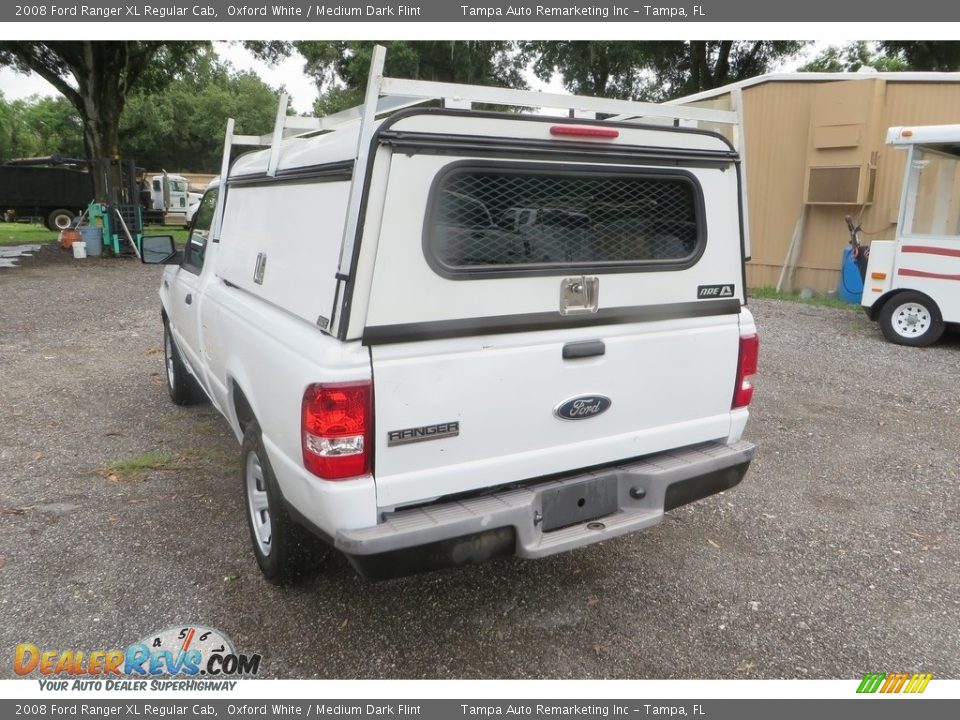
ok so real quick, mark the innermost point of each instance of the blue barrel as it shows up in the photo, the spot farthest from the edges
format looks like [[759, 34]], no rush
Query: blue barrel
[[93, 237], [850, 287]]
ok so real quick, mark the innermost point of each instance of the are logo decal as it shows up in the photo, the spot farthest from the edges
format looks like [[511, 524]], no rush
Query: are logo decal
[[582, 407], [705, 292]]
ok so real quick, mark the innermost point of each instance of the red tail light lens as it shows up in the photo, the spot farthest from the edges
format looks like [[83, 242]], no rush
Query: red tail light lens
[[746, 366], [584, 131], [336, 422]]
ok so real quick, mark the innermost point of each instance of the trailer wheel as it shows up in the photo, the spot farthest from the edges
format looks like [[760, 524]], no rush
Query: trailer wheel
[[60, 219], [911, 318], [280, 545]]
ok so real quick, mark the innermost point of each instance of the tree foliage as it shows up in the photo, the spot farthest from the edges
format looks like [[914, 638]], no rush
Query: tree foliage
[[656, 70], [180, 128], [933, 55], [39, 126], [888, 55], [97, 76], [340, 68]]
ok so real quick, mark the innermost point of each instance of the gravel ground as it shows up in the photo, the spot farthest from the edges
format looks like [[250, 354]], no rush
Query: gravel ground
[[837, 555]]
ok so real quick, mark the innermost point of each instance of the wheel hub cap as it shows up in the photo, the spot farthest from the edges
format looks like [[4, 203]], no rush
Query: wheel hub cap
[[258, 503], [911, 320], [168, 358]]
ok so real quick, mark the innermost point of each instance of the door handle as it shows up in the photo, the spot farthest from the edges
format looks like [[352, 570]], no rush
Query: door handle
[[188, 299], [589, 348]]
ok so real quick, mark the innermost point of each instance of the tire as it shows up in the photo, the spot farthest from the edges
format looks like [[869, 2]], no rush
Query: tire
[[911, 318], [180, 384], [60, 219], [280, 545]]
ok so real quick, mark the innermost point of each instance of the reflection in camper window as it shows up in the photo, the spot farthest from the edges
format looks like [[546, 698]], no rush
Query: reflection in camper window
[[529, 217]]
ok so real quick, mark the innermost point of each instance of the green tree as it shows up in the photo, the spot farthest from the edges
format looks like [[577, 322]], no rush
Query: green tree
[[602, 69], [936, 55], [39, 126], [180, 128], [96, 78], [655, 70], [851, 58], [888, 55], [340, 68]]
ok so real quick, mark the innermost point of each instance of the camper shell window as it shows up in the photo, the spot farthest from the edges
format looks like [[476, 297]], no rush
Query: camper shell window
[[540, 219]]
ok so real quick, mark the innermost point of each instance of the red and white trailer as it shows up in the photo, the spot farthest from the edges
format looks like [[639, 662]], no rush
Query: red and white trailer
[[912, 283]]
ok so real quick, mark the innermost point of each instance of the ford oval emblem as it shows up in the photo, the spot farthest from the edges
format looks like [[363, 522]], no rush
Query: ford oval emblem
[[582, 407]]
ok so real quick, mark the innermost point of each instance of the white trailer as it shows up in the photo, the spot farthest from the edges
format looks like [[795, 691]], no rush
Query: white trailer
[[912, 283]]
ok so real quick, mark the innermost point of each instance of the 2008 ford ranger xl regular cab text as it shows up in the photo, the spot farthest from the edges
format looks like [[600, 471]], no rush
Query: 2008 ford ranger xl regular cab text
[[421, 379]]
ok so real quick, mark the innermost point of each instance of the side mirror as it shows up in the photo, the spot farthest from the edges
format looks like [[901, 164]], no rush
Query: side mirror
[[159, 250]]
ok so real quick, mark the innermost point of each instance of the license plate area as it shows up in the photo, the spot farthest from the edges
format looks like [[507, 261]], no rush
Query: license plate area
[[579, 502]]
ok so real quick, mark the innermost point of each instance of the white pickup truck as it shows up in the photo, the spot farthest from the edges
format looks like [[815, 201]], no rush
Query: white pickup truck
[[419, 385]]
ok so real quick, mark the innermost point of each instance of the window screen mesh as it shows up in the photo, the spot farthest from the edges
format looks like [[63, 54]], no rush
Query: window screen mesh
[[496, 217]]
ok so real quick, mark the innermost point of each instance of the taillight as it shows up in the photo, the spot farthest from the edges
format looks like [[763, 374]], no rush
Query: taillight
[[335, 422], [746, 366], [584, 131]]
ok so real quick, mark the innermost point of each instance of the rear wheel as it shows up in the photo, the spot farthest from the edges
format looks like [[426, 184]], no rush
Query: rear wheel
[[279, 544], [60, 219], [911, 318]]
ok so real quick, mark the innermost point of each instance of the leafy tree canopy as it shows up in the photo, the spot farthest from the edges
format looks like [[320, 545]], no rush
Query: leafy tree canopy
[[180, 128], [657, 70], [888, 55], [96, 77], [340, 68]]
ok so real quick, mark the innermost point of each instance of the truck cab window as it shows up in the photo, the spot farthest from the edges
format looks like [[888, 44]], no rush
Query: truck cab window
[[196, 246]]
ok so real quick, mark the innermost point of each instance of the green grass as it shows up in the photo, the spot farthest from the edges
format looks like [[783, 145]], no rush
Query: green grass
[[179, 234], [131, 467], [25, 234], [822, 300], [34, 233]]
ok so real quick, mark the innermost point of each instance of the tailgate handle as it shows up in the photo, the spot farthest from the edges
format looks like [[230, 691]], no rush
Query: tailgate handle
[[585, 349]]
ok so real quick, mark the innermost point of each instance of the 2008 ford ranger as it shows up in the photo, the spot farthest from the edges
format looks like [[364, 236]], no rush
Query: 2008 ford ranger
[[443, 335]]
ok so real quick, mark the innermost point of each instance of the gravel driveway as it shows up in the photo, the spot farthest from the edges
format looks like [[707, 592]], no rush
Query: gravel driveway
[[838, 554]]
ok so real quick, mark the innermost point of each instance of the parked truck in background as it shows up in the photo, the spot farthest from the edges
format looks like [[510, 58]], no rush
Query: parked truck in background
[[56, 190], [167, 200]]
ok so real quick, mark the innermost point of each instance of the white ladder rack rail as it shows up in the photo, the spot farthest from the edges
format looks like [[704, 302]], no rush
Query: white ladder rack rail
[[386, 94]]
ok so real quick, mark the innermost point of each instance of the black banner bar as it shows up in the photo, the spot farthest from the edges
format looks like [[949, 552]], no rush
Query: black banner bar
[[626, 11]]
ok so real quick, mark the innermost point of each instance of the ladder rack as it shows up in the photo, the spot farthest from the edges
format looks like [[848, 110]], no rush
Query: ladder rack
[[385, 95]]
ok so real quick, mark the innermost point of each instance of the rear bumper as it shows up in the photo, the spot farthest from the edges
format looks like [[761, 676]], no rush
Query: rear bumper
[[634, 496]]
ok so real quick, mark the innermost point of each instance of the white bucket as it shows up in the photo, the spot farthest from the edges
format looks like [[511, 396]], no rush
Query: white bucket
[[79, 249]]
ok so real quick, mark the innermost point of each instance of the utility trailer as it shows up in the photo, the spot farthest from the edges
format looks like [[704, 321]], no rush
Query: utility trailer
[[912, 283]]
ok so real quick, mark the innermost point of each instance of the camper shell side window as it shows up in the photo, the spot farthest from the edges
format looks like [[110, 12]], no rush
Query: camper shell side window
[[508, 219]]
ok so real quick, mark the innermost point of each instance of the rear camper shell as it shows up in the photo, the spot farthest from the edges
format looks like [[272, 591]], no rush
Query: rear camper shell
[[344, 146], [450, 333]]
